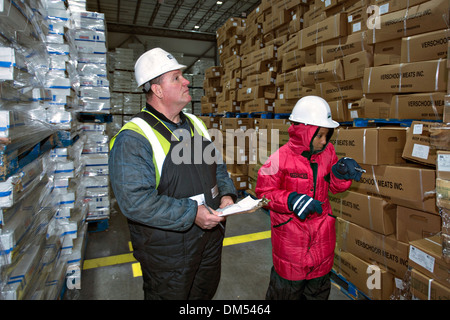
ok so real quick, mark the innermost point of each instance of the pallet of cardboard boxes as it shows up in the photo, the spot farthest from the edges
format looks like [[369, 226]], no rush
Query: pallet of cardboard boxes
[[374, 59]]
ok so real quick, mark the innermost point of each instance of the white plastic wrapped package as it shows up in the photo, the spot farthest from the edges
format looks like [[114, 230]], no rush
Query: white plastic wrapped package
[[89, 20], [96, 105], [94, 81], [7, 63], [21, 184], [95, 164], [75, 259], [87, 69], [22, 274], [60, 117], [96, 186], [25, 219]]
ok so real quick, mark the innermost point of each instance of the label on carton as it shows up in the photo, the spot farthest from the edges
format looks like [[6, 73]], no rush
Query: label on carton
[[420, 151], [443, 162], [421, 258]]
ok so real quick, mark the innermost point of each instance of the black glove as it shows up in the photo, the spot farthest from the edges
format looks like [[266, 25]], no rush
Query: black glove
[[347, 168], [303, 205]]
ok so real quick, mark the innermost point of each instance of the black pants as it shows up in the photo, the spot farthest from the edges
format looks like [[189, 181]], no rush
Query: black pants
[[282, 289], [187, 269]]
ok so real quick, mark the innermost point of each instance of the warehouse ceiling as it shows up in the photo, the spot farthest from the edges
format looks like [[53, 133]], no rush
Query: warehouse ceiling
[[191, 19]]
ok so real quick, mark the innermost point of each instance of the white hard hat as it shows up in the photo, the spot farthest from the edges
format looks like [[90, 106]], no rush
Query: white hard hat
[[154, 63], [313, 110]]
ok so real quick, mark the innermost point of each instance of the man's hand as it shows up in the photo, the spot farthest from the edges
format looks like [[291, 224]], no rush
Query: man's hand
[[206, 220], [226, 201]]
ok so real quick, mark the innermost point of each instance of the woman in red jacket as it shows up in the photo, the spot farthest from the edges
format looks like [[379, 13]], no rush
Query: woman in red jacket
[[297, 178]]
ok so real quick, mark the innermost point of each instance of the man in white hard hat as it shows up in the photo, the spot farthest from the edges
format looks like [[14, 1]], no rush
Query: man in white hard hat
[[303, 227], [170, 199]]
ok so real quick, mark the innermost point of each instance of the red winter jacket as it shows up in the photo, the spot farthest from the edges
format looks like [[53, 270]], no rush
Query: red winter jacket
[[301, 249]]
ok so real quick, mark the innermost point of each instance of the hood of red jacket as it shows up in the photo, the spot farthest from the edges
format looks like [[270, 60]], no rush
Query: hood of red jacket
[[300, 137]]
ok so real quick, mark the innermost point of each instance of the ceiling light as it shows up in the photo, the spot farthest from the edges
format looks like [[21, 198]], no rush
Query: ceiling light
[[196, 27], [219, 2]]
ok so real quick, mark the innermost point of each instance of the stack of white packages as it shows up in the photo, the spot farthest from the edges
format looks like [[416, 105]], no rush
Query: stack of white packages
[[62, 78], [89, 33], [43, 207], [96, 175]]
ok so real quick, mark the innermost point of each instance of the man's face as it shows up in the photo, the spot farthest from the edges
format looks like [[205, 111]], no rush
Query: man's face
[[175, 89]]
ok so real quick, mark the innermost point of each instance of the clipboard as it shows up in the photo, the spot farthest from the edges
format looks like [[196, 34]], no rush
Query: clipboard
[[246, 205]]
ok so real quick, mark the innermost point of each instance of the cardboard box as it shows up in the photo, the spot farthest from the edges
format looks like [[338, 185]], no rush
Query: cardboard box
[[328, 71], [388, 6], [440, 136], [366, 211], [286, 77], [407, 185], [240, 181], [292, 44], [357, 19], [443, 165], [330, 28], [446, 244], [341, 90], [387, 52], [426, 46], [355, 64], [293, 59], [213, 72], [235, 123], [417, 146], [273, 133], [387, 251], [425, 255], [235, 155], [377, 105], [250, 93], [425, 288], [284, 105], [425, 106], [424, 76], [416, 224], [263, 54], [341, 47], [447, 100], [261, 79], [355, 109], [256, 68], [425, 17], [443, 193], [375, 146], [294, 90], [338, 111], [251, 185], [358, 273], [228, 106], [258, 105]]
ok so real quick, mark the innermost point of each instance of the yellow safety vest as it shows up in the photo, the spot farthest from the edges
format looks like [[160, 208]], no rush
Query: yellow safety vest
[[160, 145]]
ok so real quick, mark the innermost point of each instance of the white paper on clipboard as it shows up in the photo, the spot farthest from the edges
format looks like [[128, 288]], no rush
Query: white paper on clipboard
[[248, 204]]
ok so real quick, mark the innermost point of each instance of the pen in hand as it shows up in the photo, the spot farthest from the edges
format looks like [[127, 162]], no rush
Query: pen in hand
[[209, 210]]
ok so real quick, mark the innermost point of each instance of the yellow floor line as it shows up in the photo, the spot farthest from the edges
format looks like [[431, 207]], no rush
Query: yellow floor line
[[136, 267], [246, 238], [108, 261]]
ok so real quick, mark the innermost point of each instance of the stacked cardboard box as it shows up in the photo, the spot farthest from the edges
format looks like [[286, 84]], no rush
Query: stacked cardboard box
[[389, 62], [212, 87]]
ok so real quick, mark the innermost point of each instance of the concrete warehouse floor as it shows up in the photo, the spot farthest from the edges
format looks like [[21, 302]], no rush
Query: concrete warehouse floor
[[110, 271]]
